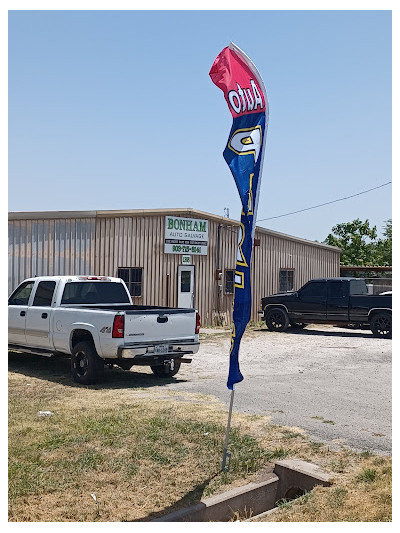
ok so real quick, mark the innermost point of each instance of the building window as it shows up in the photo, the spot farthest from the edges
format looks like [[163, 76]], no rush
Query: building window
[[229, 281], [286, 280], [133, 279]]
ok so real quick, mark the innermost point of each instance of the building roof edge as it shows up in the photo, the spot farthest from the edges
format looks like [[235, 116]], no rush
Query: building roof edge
[[179, 211]]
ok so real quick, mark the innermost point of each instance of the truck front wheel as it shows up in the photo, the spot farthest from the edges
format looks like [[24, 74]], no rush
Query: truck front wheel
[[277, 319], [86, 366], [166, 370], [381, 325]]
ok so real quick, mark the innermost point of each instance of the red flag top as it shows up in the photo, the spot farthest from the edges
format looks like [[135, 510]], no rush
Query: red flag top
[[238, 82]]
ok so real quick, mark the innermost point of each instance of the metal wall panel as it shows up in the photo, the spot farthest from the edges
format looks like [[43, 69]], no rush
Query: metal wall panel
[[101, 243], [46, 247]]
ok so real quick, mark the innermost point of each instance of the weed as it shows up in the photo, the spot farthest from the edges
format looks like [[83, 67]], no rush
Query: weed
[[367, 475], [305, 498], [284, 503], [277, 453], [337, 497], [378, 461], [88, 460], [287, 434], [366, 455], [338, 465], [247, 455], [240, 516], [385, 499], [316, 446]]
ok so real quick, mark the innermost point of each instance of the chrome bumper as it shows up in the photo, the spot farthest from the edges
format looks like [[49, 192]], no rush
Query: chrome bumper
[[175, 349]]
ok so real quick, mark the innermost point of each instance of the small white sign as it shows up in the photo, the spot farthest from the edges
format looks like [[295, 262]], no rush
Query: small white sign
[[186, 260]]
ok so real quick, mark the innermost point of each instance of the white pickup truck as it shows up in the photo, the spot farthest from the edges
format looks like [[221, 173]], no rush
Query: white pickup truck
[[92, 319]]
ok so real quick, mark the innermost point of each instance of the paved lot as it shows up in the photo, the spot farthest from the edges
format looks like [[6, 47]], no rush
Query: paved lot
[[333, 382]]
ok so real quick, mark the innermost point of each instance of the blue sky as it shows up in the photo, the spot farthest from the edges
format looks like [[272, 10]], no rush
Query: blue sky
[[115, 110]]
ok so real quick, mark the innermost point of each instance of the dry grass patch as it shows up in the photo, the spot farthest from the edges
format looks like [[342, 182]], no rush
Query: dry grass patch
[[362, 493], [138, 456], [143, 450]]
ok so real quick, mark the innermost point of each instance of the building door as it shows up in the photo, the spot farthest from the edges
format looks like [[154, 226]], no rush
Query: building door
[[186, 286]]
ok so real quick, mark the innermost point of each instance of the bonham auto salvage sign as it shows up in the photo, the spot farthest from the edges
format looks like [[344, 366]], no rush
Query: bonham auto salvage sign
[[185, 236]]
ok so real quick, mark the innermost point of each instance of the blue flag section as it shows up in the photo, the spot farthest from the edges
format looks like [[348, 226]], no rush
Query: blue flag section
[[234, 73], [245, 167]]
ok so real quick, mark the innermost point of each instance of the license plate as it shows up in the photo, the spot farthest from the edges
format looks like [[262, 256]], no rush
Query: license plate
[[161, 348]]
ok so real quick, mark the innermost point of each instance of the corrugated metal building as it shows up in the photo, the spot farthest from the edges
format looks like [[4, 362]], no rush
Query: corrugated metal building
[[133, 244]]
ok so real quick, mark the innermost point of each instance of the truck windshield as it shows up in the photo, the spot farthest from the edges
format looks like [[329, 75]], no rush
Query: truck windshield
[[95, 292]]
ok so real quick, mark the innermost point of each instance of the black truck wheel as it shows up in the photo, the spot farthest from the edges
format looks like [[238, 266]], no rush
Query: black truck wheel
[[86, 366], [277, 319], [165, 370], [381, 325]]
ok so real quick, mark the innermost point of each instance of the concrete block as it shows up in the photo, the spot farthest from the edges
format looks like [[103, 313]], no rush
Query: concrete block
[[252, 499], [291, 478], [296, 477]]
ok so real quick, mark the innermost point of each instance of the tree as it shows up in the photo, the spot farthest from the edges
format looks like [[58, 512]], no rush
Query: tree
[[384, 246], [357, 241]]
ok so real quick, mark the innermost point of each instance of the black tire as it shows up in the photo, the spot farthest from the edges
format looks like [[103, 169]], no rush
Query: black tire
[[277, 319], [381, 325], [164, 371], [86, 366], [298, 325]]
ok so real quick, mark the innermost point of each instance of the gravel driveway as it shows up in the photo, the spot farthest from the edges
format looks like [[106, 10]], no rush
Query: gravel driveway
[[335, 383]]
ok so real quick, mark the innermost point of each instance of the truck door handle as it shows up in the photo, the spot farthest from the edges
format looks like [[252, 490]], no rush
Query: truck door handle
[[162, 319], [44, 315], [22, 313]]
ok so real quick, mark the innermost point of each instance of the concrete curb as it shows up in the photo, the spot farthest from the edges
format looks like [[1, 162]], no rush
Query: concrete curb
[[291, 478], [221, 508], [297, 477]]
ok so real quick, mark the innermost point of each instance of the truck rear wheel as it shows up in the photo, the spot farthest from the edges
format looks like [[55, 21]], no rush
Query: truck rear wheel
[[165, 370], [277, 319], [381, 325], [86, 366]]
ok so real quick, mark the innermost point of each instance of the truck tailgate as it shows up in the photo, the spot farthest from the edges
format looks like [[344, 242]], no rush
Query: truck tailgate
[[159, 325]]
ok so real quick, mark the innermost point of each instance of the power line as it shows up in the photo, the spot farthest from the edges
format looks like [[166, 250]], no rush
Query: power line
[[326, 203]]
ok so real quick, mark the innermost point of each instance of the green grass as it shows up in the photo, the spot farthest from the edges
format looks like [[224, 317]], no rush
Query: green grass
[[143, 453], [367, 475], [56, 452]]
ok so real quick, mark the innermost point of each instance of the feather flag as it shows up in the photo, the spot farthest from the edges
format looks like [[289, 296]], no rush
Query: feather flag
[[235, 74]]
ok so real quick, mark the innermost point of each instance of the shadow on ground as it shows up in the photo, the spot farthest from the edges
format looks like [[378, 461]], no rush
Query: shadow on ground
[[57, 369], [190, 498], [324, 333]]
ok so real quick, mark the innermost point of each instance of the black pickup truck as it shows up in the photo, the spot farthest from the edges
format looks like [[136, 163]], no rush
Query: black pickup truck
[[338, 301]]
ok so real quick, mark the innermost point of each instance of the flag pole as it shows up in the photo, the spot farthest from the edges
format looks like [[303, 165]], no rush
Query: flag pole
[[226, 455], [230, 66]]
